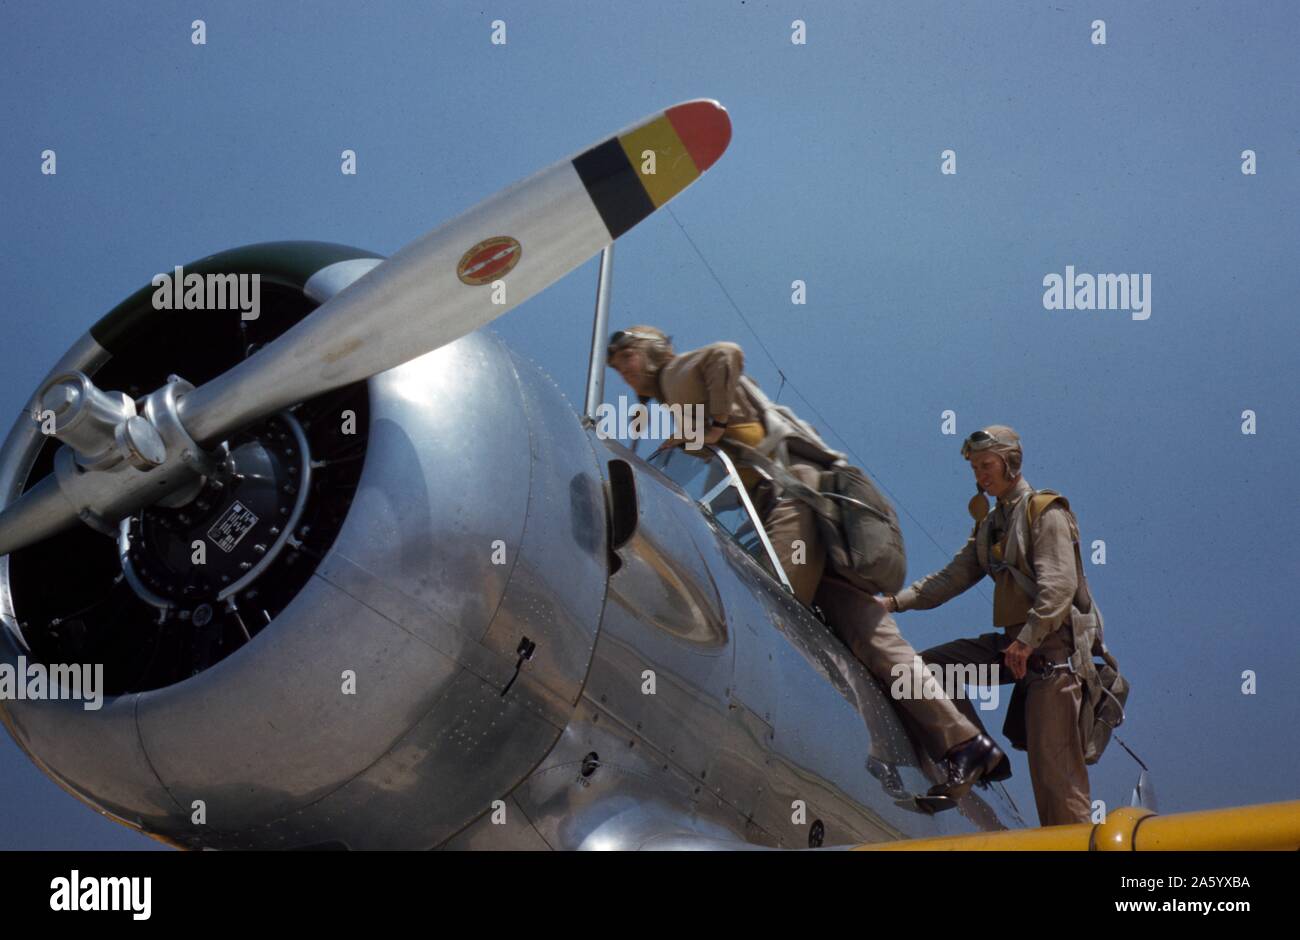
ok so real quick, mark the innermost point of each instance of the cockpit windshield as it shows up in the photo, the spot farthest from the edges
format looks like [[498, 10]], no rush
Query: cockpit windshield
[[709, 476]]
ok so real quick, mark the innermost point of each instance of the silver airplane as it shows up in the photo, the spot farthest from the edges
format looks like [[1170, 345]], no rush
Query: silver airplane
[[360, 577]]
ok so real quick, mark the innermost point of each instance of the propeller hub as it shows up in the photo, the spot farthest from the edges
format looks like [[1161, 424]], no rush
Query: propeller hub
[[60, 397], [232, 529]]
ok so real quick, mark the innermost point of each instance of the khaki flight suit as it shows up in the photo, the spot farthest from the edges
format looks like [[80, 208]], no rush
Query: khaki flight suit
[[1056, 766], [709, 376]]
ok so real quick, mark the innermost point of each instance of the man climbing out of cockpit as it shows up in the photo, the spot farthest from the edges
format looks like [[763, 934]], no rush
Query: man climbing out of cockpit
[[737, 414]]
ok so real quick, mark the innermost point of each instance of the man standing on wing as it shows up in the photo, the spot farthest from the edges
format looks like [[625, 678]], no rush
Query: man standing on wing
[[1027, 544]]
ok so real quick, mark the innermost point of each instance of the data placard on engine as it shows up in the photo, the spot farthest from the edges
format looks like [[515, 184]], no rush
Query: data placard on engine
[[233, 525]]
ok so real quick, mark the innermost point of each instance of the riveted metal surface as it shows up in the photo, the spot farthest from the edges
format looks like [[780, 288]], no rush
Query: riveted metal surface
[[269, 729], [447, 471], [506, 829], [491, 667], [635, 793], [827, 716], [557, 583], [664, 628], [471, 748], [96, 754], [663, 580]]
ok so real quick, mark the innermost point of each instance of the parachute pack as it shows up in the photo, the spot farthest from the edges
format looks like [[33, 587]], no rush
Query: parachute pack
[[858, 525]]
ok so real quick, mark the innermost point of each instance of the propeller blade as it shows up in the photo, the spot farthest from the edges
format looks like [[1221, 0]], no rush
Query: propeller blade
[[453, 280], [465, 274], [35, 515]]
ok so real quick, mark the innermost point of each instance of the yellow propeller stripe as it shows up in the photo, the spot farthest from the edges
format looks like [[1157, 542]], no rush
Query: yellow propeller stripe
[[674, 168]]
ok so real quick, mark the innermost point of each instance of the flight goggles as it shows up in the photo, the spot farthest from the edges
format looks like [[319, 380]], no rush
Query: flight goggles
[[982, 440], [623, 338]]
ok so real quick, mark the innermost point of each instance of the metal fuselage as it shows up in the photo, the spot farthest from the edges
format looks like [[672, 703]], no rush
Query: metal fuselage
[[676, 695]]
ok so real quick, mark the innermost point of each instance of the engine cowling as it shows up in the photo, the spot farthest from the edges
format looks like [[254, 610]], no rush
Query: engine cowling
[[380, 564]]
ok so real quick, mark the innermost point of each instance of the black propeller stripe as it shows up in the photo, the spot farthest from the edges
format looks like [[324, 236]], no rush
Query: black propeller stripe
[[614, 186]]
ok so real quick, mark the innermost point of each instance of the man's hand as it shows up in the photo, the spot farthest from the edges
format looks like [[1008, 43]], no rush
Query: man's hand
[[1017, 658]]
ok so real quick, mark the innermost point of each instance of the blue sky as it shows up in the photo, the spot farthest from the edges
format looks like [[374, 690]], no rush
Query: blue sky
[[924, 290]]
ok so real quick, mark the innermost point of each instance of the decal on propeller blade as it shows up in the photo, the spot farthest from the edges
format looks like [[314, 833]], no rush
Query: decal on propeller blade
[[489, 260]]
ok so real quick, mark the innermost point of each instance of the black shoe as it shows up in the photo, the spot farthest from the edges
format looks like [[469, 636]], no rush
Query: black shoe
[[966, 763], [1001, 772]]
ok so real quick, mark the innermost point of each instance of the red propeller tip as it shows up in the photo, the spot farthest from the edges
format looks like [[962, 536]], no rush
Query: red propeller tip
[[704, 128]]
